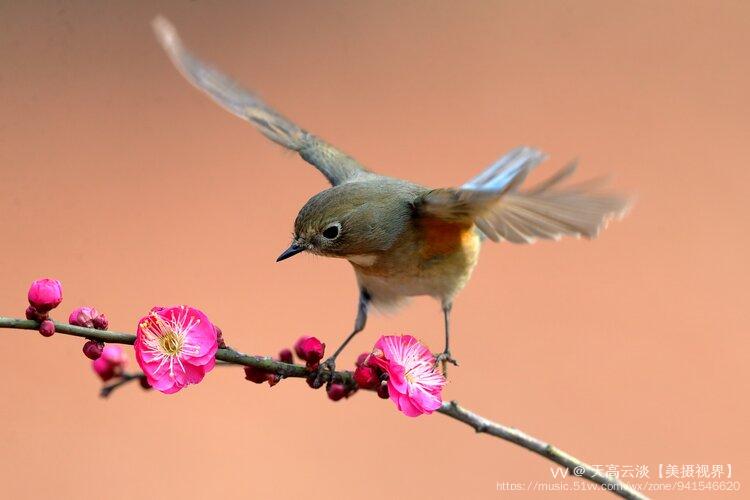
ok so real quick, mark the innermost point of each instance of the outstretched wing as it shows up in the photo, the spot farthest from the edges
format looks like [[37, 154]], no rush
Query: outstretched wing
[[492, 201], [336, 166]]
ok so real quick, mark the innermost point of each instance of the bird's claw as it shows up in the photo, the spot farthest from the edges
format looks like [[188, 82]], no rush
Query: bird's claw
[[444, 358], [325, 372]]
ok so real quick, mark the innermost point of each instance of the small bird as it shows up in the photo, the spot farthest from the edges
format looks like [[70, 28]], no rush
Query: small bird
[[403, 239]]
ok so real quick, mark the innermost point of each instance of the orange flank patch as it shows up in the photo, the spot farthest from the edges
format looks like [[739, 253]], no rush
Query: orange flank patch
[[441, 237]]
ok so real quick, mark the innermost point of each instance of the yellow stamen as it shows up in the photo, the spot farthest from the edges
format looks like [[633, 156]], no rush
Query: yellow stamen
[[170, 344]]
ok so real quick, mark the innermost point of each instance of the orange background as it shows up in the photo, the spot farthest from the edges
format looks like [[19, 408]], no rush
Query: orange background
[[133, 189]]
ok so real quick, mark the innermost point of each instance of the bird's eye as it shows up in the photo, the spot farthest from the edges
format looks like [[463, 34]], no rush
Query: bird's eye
[[332, 231]]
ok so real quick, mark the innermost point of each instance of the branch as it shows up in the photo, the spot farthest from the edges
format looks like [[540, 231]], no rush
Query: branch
[[450, 409], [578, 467]]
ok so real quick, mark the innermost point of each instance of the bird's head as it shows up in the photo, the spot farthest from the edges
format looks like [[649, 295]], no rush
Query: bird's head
[[348, 220]]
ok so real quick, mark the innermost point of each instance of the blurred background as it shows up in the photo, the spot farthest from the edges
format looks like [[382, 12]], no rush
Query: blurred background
[[133, 189]]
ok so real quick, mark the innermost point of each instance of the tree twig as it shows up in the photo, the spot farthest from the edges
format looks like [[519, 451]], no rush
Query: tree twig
[[450, 409]]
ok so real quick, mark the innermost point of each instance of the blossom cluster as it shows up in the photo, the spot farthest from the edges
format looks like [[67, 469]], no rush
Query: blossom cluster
[[176, 346], [399, 368]]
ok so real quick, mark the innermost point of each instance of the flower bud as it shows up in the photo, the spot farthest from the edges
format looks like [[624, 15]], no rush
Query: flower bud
[[47, 328], [336, 391], [93, 349], [83, 316], [220, 338], [285, 356], [311, 350], [298, 347], [34, 315], [111, 362], [314, 381], [103, 369], [383, 391], [273, 379], [362, 358], [45, 294], [257, 375], [100, 322], [366, 377]]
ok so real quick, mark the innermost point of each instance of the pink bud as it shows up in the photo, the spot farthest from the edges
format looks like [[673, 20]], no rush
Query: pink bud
[[100, 322], [256, 375], [285, 356], [273, 379], [45, 294], [111, 362], [362, 358], [83, 316], [47, 328], [114, 355], [93, 349], [366, 377], [383, 391], [35, 315], [220, 338], [298, 347], [310, 349], [103, 369], [336, 391]]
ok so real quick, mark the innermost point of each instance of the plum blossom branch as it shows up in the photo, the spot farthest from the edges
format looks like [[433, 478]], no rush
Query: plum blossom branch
[[291, 370], [578, 467]]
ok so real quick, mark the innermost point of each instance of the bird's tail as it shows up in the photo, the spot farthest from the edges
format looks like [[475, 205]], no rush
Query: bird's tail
[[547, 211]]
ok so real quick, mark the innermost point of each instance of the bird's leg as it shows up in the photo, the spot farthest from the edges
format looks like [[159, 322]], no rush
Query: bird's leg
[[445, 356], [359, 325]]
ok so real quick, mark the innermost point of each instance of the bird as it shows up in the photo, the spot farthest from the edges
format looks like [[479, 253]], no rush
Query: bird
[[401, 238]]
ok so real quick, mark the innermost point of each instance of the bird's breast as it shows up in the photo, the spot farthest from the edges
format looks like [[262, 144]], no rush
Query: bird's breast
[[440, 238], [434, 258]]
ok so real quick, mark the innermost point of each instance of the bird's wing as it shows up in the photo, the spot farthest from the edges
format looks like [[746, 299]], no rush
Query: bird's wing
[[336, 166], [546, 211]]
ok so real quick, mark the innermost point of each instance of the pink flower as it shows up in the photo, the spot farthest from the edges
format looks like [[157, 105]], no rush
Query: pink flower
[[45, 294], [110, 363], [413, 383], [175, 347], [83, 316]]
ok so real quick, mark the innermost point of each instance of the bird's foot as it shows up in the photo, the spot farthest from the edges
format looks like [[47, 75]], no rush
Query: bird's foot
[[325, 371], [444, 358]]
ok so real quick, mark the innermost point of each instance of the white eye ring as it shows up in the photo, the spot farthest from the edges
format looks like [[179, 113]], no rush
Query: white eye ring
[[332, 235]]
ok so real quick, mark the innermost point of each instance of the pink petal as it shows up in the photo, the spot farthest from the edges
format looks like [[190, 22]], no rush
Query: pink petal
[[426, 401], [407, 408], [396, 377]]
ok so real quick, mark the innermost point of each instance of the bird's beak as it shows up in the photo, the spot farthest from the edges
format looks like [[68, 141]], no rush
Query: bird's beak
[[294, 249]]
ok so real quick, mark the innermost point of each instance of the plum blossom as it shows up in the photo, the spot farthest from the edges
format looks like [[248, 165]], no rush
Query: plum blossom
[[413, 383], [83, 316], [110, 363], [175, 347]]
